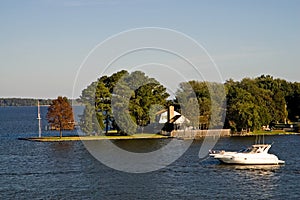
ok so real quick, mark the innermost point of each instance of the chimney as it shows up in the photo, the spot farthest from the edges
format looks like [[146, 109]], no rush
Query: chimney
[[170, 113]]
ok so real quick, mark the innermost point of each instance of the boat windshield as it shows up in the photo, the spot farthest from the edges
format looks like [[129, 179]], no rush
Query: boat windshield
[[249, 150], [254, 150], [246, 150]]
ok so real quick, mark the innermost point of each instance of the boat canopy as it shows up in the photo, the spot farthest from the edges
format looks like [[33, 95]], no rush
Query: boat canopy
[[260, 148]]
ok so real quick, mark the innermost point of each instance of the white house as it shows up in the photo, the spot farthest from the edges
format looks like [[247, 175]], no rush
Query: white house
[[171, 116]]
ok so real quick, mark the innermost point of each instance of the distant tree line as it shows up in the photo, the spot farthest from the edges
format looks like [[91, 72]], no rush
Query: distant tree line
[[29, 102], [23, 102]]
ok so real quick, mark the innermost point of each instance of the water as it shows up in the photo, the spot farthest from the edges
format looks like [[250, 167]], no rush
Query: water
[[33, 170]]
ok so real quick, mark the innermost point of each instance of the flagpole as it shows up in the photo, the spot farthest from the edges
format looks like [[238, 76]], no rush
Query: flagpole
[[39, 118]]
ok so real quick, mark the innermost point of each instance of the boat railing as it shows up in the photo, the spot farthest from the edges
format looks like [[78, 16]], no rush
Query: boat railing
[[216, 151]]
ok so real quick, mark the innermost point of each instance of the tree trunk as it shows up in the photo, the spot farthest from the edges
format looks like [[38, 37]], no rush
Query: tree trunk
[[60, 129]]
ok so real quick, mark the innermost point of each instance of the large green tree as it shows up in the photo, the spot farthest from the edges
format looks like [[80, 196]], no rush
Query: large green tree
[[124, 100], [203, 103], [241, 109], [293, 102], [60, 115], [278, 90], [133, 98], [253, 103], [89, 121]]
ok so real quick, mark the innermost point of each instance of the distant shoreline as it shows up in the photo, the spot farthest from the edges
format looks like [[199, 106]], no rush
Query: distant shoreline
[[25, 102]]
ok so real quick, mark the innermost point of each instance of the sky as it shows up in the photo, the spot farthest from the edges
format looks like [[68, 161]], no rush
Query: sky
[[44, 43]]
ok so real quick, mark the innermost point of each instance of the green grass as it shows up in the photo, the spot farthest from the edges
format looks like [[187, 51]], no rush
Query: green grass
[[274, 132], [90, 138]]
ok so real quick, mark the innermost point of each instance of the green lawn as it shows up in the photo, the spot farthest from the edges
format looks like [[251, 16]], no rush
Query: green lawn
[[274, 132], [88, 138]]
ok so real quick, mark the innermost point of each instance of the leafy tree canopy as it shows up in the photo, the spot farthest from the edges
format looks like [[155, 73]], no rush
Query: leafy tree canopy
[[249, 104], [60, 115], [124, 101]]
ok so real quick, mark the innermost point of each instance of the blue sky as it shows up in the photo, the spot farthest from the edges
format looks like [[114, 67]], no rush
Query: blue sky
[[43, 42]]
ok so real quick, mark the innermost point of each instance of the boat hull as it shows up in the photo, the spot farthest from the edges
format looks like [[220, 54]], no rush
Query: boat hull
[[244, 159], [256, 155]]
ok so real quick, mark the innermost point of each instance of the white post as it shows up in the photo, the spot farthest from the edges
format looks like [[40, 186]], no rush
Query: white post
[[39, 118]]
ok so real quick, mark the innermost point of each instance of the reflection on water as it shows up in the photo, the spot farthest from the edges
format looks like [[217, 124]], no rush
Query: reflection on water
[[62, 147], [254, 168], [141, 145], [252, 171], [247, 181]]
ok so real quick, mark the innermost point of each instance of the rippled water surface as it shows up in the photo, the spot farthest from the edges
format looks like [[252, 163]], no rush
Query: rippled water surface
[[33, 170]]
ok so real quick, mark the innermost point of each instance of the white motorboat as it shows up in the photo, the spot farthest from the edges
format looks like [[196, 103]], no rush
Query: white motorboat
[[255, 155]]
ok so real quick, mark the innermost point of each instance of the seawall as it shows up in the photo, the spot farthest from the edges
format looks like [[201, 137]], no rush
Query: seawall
[[198, 134]]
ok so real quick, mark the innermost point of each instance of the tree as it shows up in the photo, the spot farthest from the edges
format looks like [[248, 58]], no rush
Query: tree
[[146, 92], [293, 104], [133, 98], [188, 103], [253, 103], [60, 115], [125, 100], [237, 99], [89, 123], [203, 103]]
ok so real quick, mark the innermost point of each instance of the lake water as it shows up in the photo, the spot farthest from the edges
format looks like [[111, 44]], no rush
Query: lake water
[[33, 170]]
